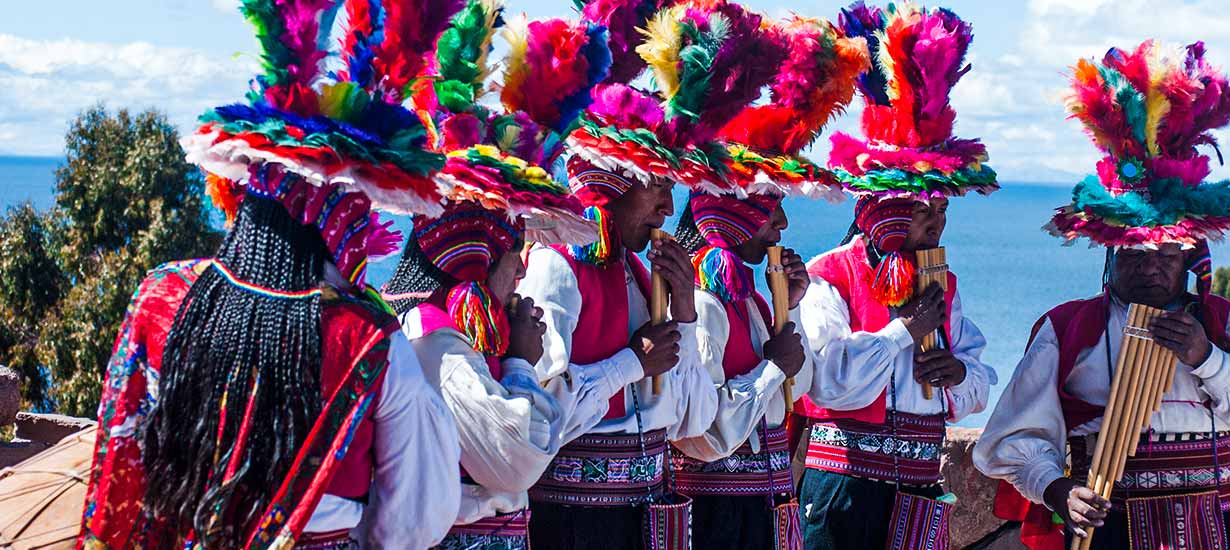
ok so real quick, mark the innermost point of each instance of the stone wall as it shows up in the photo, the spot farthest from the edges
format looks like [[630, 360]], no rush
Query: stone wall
[[973, 524]]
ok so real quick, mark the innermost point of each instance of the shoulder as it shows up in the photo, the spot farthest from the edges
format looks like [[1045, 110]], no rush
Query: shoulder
[[351, 320]]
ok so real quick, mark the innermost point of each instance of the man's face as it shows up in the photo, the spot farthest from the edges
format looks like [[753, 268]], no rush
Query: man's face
[[927, 224], [754, 249], [504, 275], [640, 209], [1150, 277]]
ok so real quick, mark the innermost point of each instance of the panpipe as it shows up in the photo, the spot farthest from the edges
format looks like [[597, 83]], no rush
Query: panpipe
[[658, 302], [779, 288], [1143, 374], [932, 268]]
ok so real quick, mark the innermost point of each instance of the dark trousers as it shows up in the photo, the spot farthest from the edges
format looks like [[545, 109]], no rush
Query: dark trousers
[[559, 527], [734, 523], [848, 513], [1113, 535]]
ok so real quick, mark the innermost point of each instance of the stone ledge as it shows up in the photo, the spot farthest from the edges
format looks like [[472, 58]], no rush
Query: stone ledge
[[49, 428]]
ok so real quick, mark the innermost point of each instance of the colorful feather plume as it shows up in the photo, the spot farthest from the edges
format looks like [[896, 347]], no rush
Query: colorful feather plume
[[623, 20], [410, 29], [813, 84], [917, 56], [1148, 110], [461, 67]]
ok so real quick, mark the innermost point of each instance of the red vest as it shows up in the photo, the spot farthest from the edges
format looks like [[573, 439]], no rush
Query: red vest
[[740, 355], [602, 325], [848, 270]]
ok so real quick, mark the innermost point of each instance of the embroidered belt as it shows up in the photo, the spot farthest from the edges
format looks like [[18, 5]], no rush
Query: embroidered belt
[[1165, 464], [604, 470], [743, 473], [501, 532], [861, 449], [332, 540]]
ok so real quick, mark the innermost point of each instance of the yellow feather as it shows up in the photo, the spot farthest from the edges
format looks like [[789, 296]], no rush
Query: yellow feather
[[887, 69], [516, 33], [491, 8], [660, 50], [1156, 108]]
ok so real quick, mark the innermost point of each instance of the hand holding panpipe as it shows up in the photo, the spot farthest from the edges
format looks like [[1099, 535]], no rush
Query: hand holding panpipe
[[658, 302], [932, 268], [1144, 372], [779, 287]]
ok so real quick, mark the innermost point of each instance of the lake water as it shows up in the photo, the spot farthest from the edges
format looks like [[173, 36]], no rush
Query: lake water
[[1011, 272]]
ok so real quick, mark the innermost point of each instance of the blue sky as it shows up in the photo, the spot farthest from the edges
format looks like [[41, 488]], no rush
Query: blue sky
[[182, 56]]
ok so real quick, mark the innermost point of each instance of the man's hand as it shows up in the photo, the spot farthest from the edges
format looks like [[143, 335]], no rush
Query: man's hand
[[525, 330], [657, 347], [796, 276], [672, 262], [786, 350], [1078, 506], [1181, 333], [938, 368], [925, 312]]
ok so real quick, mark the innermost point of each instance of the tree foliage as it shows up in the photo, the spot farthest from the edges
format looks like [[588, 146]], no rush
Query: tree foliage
[[1221, 281], [125, 202]]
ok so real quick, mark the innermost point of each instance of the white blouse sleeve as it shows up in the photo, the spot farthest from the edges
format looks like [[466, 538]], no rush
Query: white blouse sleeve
[[1214, 376], [1025, 439], [416, 489], [971, 395], [582, 392], [852, 369], [696, 400], [508, 430], [741, 401]]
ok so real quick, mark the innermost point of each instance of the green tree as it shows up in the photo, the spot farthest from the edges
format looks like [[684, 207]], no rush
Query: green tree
[[31, 284], [1221, 281], [125, 202]]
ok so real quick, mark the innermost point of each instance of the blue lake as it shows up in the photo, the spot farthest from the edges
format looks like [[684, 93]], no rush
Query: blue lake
[[1010, 271]]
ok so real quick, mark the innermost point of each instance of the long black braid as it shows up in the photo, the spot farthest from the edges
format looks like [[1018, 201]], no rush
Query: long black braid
[[224, 339], [687, 234], [415, 279]]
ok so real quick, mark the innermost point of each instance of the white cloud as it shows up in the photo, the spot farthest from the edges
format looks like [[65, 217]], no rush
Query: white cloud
[[227, 6], [44, 83]]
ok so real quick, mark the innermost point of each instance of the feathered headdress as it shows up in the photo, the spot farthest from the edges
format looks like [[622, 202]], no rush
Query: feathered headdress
[[709, 59], [348, 128], [1148, 110], [623, 20], [917, 55], [500, 159], [813, 85]]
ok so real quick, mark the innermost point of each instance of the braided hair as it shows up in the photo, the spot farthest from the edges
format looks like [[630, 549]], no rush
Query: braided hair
[[687, 234], [415, 279], [231, 349]]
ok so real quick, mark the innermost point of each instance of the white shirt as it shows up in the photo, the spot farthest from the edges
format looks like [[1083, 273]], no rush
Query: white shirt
[[687, 404], [854, 368], [415, 489], [745, 399], [1025, 440], [509, 429]]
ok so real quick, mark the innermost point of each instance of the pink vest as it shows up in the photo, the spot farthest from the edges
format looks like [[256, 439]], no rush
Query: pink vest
[[602, 325], [848, 270], [740, 356], [1080, 324]]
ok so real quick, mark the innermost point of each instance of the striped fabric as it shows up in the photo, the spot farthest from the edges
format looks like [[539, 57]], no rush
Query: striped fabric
[[333, 540], [787, 527], [743, 473], [884, 221], [863, 449], [501, 532], [1190, 522], [605, 470], [918, 523], [1164, 465], [466, 240], [726, 222], [669, 526], [594, 186]]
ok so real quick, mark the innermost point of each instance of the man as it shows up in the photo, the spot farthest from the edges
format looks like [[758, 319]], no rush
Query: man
[[873, 450], [629, 149], [1142, 206]]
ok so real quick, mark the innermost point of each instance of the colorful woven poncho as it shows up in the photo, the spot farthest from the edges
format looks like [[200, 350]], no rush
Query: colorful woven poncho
[[814, 83], [709, 60], [917, 57], [1148, 110]]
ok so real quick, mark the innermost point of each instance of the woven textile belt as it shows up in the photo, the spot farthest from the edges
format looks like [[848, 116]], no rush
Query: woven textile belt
[[604, 470], [744, 473], [911, 455], [1165, 464], [333, 540], [505, 531]]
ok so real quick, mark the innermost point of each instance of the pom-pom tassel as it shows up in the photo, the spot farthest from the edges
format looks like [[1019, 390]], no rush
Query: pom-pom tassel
[[481, 316], [599, 252], [721, 272], [893, 284]]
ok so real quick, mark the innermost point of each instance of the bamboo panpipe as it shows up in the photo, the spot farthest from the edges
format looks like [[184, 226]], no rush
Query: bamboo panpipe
[[932, 268], [780, 289], [658, 302], [1143, 375]]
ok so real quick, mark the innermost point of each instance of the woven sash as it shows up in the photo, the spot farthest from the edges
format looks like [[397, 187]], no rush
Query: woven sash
[[1164, 465], [1188, 522], [604, 470], [500, 532], [872, 451], [743, 473], [787, 528]]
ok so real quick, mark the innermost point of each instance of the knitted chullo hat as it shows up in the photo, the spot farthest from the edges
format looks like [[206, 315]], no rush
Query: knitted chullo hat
[[501, 190], [814, 83], [917, 57], [330, 146], [1148, 110]]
